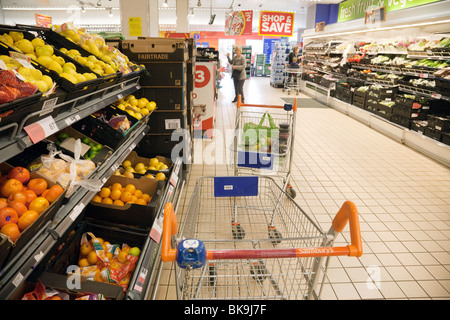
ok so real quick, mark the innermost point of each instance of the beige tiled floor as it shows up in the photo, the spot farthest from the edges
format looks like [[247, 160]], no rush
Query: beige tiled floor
[[402, 196]]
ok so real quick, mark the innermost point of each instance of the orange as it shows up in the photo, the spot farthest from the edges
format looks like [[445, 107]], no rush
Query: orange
[[18, 196], [138, 193], [53, 193], [109, 255], [114, 265], [133, 198], [115, 194], [98, 276], [122, 257], [3, 203], [118, 202], [92, 257], [18, 206], [11, 230], [131, 201], [40, 204], [107, 201], [146, 197], [131, 188], [126, 249], [86, 248], [30, 196], [141, 202], [116, 186], [125, 196], [97, 198], [83, 263], [104, 192], [125, 281], [26, 219]]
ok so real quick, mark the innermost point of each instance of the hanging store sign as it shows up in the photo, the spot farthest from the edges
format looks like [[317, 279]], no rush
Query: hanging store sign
[[276, 23], [356, 9], [238, 23], [43, 20]]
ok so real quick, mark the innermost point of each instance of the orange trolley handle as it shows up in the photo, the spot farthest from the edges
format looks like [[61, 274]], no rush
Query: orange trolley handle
[[240, 104], [347, 213]]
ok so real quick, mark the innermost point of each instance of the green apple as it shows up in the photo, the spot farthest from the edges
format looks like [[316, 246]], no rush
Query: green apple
[[135, 251]]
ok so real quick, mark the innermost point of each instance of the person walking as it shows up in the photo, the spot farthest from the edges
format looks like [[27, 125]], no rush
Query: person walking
[[238, 64]]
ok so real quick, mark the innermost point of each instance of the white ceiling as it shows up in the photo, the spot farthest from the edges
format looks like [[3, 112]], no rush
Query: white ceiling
[[284, 5]]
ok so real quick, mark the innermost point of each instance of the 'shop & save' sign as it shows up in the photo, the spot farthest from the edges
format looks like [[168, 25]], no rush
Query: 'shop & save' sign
[[276, 23]]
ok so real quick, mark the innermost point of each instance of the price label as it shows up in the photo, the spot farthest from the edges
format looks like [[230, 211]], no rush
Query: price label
[[41, 129], [72, 119], [76, 211], [156, 231], [436, 95]]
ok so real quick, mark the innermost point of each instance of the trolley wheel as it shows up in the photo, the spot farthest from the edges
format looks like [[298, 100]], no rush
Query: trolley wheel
[[291, 191], [212, 275], [258, 270], [275, 235], [237, 230]]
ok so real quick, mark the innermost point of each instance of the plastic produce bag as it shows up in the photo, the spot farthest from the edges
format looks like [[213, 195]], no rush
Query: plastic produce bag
[[77, 171]]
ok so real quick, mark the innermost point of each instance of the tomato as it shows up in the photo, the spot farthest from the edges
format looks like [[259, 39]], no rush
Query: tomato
[[19, 173], [8, 215], [53, 193], [38, 185], [30, 196], [18, 196], [11, 186], [40, 204]]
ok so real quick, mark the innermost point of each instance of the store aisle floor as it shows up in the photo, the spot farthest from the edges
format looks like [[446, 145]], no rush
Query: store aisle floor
[[402, 197]]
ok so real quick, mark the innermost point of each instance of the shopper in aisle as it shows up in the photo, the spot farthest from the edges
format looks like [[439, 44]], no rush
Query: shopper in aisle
[[293, 54], [238, 64]]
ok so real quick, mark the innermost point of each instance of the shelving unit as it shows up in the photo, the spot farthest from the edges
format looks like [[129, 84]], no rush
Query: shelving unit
[[52, 234]]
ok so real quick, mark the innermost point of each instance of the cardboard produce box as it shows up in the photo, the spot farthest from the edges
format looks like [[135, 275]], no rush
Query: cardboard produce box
[[28, 233], [130, 213], [164, 74], [169, 98]]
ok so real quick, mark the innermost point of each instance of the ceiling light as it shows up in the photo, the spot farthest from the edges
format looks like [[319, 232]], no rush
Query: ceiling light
[[199, 3], [165, 4], [99, 3], [83, 9], [110, 12]]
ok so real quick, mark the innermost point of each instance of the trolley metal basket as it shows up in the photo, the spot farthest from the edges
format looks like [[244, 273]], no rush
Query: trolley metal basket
[[292, 79], [213, 264], [264, 141]]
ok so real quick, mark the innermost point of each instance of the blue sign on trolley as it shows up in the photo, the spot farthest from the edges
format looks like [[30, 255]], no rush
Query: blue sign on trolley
[[256, 160], [239, 186]]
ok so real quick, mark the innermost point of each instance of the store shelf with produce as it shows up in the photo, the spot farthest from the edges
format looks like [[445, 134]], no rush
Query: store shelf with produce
[[18, 140], [145, 281], [51, 234]]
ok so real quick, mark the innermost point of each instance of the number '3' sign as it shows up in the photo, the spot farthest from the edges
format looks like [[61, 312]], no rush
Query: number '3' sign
[[202, 76]]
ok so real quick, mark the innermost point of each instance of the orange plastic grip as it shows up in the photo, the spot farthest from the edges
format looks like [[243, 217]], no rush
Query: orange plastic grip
[[170, 228], [240, 104], [349, 213]]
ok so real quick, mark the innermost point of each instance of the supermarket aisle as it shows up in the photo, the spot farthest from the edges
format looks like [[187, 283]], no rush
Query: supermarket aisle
[[402, 197]]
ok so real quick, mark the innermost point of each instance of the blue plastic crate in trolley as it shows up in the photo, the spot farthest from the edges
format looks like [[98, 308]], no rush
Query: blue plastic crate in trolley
[[256, 160]]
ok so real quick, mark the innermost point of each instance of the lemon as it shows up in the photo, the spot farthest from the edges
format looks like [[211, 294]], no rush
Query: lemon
[[153, 162], [126, 164], [160, 176]]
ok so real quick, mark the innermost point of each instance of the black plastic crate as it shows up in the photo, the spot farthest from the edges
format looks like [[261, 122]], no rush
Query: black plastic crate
[[164, 74], [358, 103], [406, 112], [100, 131], [67, 85], [69, 253], [344, 96], [445, 137], [405, 122], [58, 41], [439, 122], [417, 103], [15, 111], [432, 133], [419, 125]]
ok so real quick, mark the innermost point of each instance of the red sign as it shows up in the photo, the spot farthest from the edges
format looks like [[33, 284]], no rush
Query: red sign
[[202, 76], [276, 23], [43, 21], [239, 23]]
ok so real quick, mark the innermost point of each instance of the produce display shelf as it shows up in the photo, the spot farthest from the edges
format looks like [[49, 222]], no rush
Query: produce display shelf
[[152, 259], [432, 57], [19, 140], [17, 270], [423, 92]]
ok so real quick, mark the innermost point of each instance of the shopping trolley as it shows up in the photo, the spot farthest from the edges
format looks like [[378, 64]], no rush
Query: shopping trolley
[[263, 142], [212, 264], [292, 79]]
